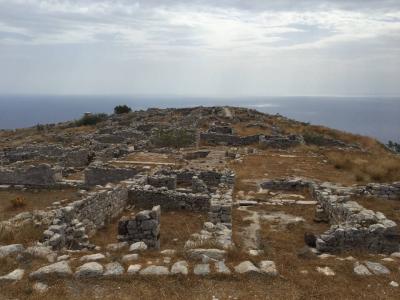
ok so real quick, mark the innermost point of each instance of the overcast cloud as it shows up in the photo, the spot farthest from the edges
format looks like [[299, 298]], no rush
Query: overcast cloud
[[232, 48]]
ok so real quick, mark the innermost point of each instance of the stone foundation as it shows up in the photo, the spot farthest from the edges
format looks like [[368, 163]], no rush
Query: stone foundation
[[103, 174], [143, 227], [41, 175], [281, 141]]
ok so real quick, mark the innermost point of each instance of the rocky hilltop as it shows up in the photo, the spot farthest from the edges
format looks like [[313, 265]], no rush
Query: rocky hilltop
[[197, 203]]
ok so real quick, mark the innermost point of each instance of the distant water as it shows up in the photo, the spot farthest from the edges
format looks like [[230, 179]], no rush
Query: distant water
[[374, 116]]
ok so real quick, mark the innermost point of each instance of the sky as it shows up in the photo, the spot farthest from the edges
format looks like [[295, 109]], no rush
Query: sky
[[218, 48]]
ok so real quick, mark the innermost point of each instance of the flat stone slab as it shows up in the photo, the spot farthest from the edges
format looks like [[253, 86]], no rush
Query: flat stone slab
[[199, 254], [90, 269], [180, 267], [92, 257], [246, 267], [377, 268], [268, 267], [10, 249], [60, 269], [117, 246], [15, 275], [155, 270], [201, 269], [113, 269]]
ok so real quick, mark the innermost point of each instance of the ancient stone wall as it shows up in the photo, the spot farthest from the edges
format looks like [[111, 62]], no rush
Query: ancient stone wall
[[75, 223], [41, 175], [281, 141], [212, 138], [353, 226], [103, 174], [221, 206], [210, 177], [145, 197], [168, 181], [143, 227], [75, 158], [381, 190]]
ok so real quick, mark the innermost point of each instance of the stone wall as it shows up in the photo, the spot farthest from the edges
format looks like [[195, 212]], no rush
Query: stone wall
[[212, 138], [381, 190], [103, 174], [210, 177], [353, 226], [143, 227], [281, 141], [41, 175], [75, 223], [168, 181], [145, 197], [75, 158], [221, 206]]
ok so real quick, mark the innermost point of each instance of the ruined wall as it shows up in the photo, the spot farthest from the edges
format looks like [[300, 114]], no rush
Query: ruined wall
[[145, 197], [381, 190], [103, 174], [353, 226], [75, 158], [76, 222], [212, 138], [281, 141], [221, 206], [168, 181], [41, 175], [143, 227], [210, 177]]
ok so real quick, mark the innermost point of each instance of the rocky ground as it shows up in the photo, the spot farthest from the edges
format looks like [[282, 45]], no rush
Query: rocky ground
[[265, 251]]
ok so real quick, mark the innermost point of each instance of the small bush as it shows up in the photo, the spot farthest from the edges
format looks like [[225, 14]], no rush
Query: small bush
[[122, 109], [91, 119], [18, 202], [175, 138], [314, 138], [40, 127]]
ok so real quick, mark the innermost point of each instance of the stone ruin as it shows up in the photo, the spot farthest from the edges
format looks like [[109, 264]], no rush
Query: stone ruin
[[42, 175], [142, 227], [352, 226]]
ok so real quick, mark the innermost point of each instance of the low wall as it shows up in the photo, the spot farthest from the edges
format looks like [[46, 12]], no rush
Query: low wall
[[210, 177], [74, 223], [41, 175], [353, 226], [381, 190], [103, 174], [169, 181], [145, 197], [221, 206], [281, 141], [212, 138], [143, 227]]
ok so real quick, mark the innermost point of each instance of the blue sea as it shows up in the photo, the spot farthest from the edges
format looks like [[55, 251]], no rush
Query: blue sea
[[378, 117]]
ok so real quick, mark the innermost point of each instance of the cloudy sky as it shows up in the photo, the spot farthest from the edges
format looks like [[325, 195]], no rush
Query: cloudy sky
[[200, 47]]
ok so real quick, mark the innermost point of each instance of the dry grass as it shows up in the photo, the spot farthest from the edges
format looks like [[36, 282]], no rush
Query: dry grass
[[18, 202], [33, 199], [26, 234], [367, 167]]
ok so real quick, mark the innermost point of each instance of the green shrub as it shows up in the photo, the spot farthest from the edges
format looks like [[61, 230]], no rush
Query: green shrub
[[91, 119], [175, 138], [314, 138], [122, 109]]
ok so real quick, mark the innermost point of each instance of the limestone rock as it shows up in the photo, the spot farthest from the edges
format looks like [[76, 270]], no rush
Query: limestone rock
[[199, 254], [113, 269], [15, 275], [139, 246], [130, 257], [361, 270], [90, 269], [134, 269], [42, 252], [10, 249], [180, 267], [59, 269], [246, 267], [201, 269], [394, 284], [155, 270], [92, 257], [116, 246], [268, 267], [377, 268]]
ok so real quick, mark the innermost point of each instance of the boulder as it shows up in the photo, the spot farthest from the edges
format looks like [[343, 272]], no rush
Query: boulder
[[92, 257], [377, 268], [15, 275], [60, 269], [361, 270], [180, 267], [42, 252], [90, 269], [116, 246], [130, 257], [134, 269], [139, 246], [10, 249], [200, 254], [40, 287], [201, 269], [113, 269]]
